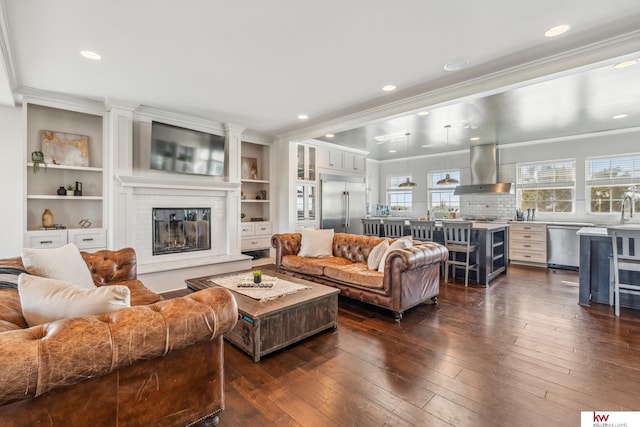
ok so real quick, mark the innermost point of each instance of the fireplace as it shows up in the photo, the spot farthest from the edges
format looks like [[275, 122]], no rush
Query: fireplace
[[178, 230]]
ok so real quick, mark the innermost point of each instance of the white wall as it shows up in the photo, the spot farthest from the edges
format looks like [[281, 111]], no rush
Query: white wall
[[12, 172], [578, 147]]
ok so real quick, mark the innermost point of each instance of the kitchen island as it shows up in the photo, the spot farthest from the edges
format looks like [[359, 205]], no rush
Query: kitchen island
[[492, 239], [596, 251]]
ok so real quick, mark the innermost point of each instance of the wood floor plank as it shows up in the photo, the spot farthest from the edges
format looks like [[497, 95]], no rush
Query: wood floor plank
[[519, 353]]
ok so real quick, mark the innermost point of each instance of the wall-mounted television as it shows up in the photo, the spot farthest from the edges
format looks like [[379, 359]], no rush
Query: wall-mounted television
[[177, 149]]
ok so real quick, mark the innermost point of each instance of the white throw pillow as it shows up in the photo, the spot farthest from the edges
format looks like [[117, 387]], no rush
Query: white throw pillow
[[64, 263], [405, 242], [45, 300], [376, 255], [316, 243]]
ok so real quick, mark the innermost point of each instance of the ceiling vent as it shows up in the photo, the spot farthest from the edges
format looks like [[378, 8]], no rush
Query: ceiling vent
[[484, 173]]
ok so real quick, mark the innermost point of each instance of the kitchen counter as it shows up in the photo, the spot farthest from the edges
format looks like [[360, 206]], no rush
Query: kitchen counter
[[595, 275]]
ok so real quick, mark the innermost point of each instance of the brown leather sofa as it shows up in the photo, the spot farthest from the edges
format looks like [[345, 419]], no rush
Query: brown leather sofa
[[411, 276], [159, 362]]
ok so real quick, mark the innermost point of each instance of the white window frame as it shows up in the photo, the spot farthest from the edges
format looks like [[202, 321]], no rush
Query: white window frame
[[393, 188], [548, 180], [627, 180], [433, 188]]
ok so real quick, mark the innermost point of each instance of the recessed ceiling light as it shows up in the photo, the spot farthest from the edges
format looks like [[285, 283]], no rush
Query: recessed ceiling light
[[456, 64], [329, 135], [625, 64], [303, 116], [423, 113], [392, 151], [90, 55], [426, 145], [389, 88], [557, 30], [620, 116], [474, 138]]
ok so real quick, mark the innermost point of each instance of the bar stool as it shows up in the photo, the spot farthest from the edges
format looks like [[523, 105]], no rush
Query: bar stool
[[457, 239], [422, 230], [626, 257], [394, 228], [371, 227]]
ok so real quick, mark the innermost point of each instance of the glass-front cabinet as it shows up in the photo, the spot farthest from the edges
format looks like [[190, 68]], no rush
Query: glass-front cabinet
[[306, 162], [306, 205]]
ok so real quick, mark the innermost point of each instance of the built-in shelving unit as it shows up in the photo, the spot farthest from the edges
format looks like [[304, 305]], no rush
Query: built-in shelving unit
[[42, 186], [256, 206]]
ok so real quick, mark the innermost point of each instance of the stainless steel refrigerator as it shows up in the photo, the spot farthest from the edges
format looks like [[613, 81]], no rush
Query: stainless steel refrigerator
[[342, 203]]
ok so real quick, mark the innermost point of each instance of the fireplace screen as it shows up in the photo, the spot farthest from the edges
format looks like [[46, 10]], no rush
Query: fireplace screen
[[181, 230]]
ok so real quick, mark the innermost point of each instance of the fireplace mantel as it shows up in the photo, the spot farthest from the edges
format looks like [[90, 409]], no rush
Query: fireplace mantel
[[173, 183]]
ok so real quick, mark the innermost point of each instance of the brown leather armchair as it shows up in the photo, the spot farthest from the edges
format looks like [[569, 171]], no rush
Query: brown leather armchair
[[150, 364]]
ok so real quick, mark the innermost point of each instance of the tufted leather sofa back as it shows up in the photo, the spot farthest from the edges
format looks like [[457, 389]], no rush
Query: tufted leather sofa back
[[353, 247], [111, 266]]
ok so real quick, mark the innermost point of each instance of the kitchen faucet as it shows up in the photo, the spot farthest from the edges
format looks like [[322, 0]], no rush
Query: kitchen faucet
[[622, 220]]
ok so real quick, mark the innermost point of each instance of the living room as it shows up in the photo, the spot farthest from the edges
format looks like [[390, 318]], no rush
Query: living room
[[257, 125]]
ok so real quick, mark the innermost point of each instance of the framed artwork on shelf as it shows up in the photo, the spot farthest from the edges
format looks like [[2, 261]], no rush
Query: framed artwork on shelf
[[249, 168], [66, 149]]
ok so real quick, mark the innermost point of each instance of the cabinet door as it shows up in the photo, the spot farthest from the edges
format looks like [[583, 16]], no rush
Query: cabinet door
[[311, 203], [300, 210], [335, 159], [301, 161], [311, 163]]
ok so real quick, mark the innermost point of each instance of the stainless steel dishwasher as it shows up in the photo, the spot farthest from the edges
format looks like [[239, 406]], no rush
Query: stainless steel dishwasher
[[563, 246]]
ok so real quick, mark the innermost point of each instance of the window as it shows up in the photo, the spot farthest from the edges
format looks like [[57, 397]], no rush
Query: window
[[399, 199], [609, 180], [547, 186], [441, 195]]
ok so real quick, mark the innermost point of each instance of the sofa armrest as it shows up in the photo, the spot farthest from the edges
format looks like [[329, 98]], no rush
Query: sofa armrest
[[419, 255], [38, 359], [285, 244]]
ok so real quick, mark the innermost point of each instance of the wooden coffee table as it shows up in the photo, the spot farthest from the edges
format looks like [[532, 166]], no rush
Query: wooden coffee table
[[265, 327]]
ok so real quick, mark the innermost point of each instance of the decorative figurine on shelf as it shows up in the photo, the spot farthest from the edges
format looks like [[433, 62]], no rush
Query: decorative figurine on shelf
[[47, 219], [78, 190], [257, 276], [37, 157], [62, 191], [84, 223], [69, 190]]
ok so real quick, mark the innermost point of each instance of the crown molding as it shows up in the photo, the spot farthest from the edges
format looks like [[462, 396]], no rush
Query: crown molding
[[61, 100], [148, 114], [542, 69]]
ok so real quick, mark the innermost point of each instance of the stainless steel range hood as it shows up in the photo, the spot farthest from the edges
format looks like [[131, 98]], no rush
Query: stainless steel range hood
[[484, 173]]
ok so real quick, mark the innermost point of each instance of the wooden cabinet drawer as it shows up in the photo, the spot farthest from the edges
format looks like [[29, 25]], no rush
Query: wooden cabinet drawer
[[527, 256], [262, 228], [88, 238], [253, 243], [45, 239], [528, 245], [534, 236]]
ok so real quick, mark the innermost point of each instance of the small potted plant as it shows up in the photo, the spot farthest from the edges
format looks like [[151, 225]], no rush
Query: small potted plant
[[70, 190], [37, 157], [257, 276]]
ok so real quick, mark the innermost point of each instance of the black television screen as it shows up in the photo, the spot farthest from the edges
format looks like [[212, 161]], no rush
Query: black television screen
[[177, 149]]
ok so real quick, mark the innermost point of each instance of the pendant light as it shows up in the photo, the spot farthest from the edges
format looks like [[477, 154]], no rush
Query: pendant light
[[447, 179], [408, 183]]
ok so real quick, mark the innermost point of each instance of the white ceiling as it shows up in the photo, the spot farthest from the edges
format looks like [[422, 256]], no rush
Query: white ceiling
[[261, 63]]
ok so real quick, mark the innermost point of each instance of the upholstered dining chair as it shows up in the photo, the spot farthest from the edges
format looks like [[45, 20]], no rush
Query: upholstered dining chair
[[457, 239], [625, 261]]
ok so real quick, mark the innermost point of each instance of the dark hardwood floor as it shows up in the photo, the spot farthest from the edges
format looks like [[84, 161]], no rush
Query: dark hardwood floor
[[520, 353]]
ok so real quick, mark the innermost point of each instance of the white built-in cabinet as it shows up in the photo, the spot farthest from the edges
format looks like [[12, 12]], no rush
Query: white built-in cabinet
[[335, 159], [255, 196], [42, 187]]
